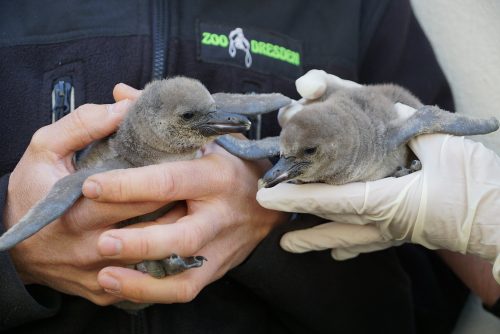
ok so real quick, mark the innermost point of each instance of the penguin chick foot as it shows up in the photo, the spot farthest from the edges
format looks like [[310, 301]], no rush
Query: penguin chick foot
[[415, 165], [172, 265], [151, 267], [175, 264]]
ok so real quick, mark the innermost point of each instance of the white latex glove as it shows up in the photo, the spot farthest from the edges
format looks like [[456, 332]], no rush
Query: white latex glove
[[452, 203]]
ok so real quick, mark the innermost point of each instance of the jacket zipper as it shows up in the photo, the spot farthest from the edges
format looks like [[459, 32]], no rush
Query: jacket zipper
[[160, 36], [63, 98]]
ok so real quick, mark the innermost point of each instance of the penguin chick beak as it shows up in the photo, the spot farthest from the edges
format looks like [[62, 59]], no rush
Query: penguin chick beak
[[221, 123], [284, 170]]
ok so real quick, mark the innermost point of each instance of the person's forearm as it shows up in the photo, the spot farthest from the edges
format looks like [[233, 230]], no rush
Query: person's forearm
[[475, 273]]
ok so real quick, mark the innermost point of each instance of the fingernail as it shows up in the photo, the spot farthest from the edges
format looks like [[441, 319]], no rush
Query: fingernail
[[91, 189], [119, 107], [109, 283], [121, 84], [109, 246]]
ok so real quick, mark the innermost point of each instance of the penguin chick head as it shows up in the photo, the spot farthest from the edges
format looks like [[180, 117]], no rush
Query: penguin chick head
[[316, 145], [179, 114]]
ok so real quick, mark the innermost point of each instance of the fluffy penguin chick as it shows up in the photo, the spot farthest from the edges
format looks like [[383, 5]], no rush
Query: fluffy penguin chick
[[352, 134], [171, 120], [357, 135], [344, 138]]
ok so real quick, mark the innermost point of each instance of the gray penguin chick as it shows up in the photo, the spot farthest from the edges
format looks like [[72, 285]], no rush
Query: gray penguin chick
[[352, 134], [170, 121]]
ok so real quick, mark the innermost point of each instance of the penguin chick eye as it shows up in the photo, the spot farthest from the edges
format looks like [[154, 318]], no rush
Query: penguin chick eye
[[187, 116], [310, 150]]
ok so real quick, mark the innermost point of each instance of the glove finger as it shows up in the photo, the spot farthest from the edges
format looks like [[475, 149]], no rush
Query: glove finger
[[330, 235], [429, 147], [371, 201], [346, 253], [312, 85], [315, 83], [347, 218], [315, 198]]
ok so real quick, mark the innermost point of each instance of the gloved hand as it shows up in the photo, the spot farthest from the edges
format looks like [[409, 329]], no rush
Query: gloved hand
[[452, 203]]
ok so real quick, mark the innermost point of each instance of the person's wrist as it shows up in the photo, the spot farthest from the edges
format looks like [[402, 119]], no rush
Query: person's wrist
[[475, 273], [493, 309], [16, 253]]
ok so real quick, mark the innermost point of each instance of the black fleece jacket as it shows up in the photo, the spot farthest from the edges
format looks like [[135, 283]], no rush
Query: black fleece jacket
[[95, 44]]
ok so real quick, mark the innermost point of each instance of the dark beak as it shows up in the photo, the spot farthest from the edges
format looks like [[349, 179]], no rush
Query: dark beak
[[221, 123], [284, 170]]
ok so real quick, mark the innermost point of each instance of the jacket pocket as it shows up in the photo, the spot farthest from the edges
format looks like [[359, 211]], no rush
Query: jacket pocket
[[62, 90]]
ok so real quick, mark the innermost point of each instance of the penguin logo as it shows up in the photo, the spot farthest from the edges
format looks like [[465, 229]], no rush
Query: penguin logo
[[237, 41]]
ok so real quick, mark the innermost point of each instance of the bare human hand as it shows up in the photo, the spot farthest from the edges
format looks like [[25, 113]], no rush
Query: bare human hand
[[64, 254], [224, 222]]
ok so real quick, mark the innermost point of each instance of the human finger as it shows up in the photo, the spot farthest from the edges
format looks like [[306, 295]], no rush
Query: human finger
[[184, 237], [78, 129], [142, 288], [178, 211], [164, 182], [83, 283], [123, 91], [88, 215]]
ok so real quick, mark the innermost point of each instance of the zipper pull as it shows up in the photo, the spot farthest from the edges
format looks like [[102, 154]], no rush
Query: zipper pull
[[63, 98]]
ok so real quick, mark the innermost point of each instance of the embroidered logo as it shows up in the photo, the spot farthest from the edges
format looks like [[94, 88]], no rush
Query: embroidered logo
[[262, 51], [237, 41]]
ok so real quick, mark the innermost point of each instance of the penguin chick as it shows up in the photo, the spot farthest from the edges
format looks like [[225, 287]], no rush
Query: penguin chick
[[352, 134], [171, 120], [343, 139]]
